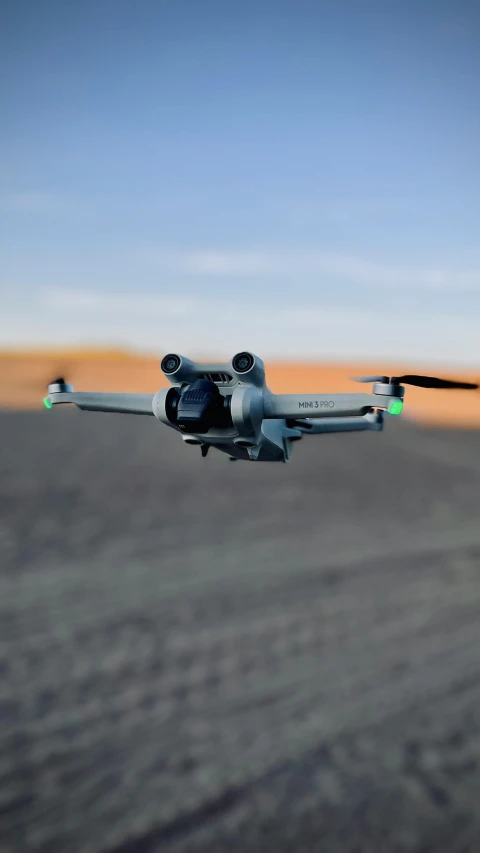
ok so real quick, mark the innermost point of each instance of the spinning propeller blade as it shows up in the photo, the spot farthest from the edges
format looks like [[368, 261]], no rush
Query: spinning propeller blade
[[432, 382], [384, 379], [419, 381], [40, 383]]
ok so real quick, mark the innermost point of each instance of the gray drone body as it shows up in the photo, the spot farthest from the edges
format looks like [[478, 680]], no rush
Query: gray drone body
[[229, 407]]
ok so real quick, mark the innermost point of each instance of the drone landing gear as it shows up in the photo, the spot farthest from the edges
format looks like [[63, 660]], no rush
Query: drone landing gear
[[204, 449]]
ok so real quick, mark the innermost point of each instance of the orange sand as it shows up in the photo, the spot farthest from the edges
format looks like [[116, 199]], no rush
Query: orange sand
[[24, 377]]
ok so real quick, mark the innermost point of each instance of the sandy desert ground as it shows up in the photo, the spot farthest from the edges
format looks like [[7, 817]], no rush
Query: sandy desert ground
[[206, 657]]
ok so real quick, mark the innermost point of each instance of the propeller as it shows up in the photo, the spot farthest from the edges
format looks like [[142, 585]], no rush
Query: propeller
[[38, 383], [60, 371], [419, 381], [383, 379]]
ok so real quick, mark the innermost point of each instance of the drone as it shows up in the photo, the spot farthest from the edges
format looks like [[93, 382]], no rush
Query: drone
[[229, 406]]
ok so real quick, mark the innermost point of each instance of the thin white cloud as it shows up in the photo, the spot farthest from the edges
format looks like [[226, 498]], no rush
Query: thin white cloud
[[116, 304], [341, 211], [42, 204], [207, 327], [279, 262], [29, 202]]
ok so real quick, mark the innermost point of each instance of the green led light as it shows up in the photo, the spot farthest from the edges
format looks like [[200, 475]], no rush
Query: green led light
[[47, 403], [395, 407]]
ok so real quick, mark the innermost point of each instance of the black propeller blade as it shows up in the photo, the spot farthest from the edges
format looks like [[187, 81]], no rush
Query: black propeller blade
[[432, 382], [419, 381]]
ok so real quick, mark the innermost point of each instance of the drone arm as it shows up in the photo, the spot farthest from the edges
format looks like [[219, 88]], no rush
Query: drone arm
[[133, 404], [323, 405], [371, 421]]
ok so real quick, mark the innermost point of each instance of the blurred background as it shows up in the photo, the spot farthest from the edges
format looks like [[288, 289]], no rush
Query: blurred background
[[196, 656]]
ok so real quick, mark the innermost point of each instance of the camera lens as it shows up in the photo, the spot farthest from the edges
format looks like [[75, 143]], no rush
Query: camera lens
[[243, 362], [170, 363]]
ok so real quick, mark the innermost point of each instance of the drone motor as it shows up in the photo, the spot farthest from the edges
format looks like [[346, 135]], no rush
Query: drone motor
[[59, 386]]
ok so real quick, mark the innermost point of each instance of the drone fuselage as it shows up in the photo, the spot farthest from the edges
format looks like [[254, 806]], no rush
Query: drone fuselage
[[248, 435], [255, 430]]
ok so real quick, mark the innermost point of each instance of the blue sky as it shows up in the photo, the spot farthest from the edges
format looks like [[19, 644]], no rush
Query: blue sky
[[298, 178]]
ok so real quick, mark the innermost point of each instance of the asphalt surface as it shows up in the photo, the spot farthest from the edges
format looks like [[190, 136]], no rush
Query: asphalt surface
[[203, 656]]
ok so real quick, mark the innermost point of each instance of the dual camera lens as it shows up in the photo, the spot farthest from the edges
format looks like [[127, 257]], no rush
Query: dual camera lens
[[170, 363], [243, 362]]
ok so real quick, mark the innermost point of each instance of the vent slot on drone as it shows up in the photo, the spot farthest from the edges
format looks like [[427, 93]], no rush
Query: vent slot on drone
[[219, 378]]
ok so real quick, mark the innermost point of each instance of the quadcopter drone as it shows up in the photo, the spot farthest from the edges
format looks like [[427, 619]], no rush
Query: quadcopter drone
[[229, 406]]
